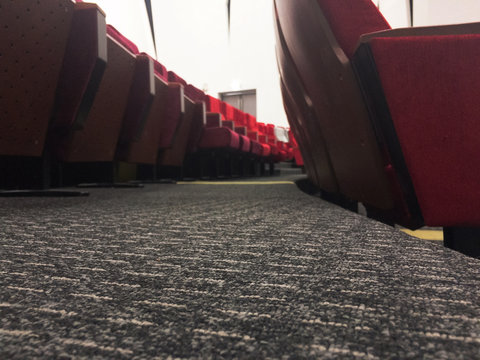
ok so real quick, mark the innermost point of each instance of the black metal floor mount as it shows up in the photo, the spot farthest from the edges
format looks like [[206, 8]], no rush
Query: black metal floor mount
[[129, 185], [463, 239], [42, 193]]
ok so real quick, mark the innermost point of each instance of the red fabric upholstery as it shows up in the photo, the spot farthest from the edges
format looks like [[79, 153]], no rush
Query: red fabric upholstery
[[253, 135], [115, 34], [213, 105], [194, 93], [227, 110], [173, 77], [297, 155], [245, 143], [262, 128], [349, 19], [274, 150], [272, 140], [435, 110], [270, 131], [257, 148], [215, 138], [251, 122], [240, 118], [160, 70], [267, 150]]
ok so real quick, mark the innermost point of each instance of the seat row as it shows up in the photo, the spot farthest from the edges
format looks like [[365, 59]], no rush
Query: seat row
[[385, 117], [79, 102]]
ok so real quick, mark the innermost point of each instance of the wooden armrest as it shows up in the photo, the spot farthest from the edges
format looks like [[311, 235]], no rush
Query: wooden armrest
[[457, 29]]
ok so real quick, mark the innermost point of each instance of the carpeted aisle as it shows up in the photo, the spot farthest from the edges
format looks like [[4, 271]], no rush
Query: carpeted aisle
[[244, 271]]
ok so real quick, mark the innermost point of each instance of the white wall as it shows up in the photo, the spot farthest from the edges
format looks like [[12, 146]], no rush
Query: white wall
[[397, 12], [192, 40], [429, 12], [441, 12], [130, 18]]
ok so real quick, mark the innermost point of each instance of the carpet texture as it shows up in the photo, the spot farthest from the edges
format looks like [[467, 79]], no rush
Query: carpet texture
[[244, 271]]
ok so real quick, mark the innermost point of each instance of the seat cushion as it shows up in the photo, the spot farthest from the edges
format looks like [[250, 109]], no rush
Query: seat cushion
[[214, 138]]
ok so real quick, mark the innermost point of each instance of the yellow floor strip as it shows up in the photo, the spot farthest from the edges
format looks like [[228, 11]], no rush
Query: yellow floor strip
[[436, 235], [235, 183]]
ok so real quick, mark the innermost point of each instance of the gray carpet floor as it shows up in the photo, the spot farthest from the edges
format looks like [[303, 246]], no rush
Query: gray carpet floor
[[225, 271]]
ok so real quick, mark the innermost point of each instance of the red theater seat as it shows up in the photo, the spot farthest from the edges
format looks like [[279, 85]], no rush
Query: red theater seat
[[245, 141], [428, 116], [219, 138], [307, 39], [47, 82], [29, 86], [402, 155]]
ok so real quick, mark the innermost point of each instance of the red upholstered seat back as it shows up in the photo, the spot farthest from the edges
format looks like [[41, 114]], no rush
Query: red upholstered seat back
[[160, 70], [270, 130], [434, 108], [251, 122], [227, 110], [262, 128], [350, 19], [240, 118], [213, 105], [173, 77], [194, 93], [115, 34]]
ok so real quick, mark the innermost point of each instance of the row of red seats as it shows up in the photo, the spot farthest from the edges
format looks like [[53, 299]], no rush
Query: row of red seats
[[76, 92]]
